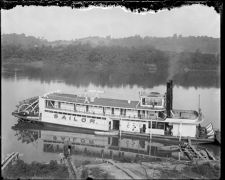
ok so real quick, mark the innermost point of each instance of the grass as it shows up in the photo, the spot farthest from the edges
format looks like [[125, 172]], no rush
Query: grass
[[95, 173], [22, 170]]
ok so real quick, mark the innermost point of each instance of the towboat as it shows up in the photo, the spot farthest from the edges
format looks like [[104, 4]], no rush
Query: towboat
[[151, 116]]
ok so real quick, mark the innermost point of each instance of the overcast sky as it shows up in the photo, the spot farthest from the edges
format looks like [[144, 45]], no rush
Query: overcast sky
[[64, 23]]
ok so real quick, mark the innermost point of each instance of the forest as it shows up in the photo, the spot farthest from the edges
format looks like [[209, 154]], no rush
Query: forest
[[115, 63]]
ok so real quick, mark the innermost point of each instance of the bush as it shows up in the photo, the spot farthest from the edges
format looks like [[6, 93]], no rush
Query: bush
[[35, 169]]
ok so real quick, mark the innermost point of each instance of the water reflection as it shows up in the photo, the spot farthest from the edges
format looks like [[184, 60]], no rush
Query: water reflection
[[51, 139], [110, 79]]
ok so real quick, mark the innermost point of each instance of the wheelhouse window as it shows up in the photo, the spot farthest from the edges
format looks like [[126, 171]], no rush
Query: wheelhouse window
[[152, 101], [143, 101], [113, 111]]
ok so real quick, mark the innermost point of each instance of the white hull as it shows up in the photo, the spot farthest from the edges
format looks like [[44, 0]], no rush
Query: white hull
[[112, 133], [76, 121]]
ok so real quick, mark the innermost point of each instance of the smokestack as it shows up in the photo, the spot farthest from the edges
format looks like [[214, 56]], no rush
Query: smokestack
[[169, 98]]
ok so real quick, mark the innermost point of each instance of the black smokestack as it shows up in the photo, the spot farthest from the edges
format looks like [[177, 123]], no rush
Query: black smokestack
[[169, 98]]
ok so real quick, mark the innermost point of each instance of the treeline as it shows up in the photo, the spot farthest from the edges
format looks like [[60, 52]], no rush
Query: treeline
[[111, 65], [106, 58], [175, 43], [99, 58]]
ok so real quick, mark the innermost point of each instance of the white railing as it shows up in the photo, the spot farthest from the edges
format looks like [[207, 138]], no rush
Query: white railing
[[104, 114]]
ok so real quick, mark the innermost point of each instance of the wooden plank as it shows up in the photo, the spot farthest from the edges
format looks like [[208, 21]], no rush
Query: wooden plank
[[9, 159], [127, 171], [197, 152], [189, 140], [210, 155]]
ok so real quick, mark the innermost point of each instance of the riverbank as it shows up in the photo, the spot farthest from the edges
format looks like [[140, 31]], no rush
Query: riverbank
[[35, 170], [111, 169], [151, 170]]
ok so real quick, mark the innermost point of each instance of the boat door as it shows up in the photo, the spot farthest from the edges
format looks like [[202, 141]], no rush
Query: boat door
[[143, 113], [116, 124], [144, 128], [139, 113]]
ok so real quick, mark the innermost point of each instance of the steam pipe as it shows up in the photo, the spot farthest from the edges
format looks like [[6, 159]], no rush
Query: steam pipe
[[169, 98]]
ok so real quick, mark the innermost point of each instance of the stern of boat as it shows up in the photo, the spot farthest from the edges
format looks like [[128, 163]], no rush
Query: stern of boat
[[28, 109]]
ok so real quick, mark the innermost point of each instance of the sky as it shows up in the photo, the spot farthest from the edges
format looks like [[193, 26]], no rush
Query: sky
[[65, 23]]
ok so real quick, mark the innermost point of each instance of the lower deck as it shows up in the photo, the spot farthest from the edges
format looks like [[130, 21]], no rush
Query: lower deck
[[144, 129]]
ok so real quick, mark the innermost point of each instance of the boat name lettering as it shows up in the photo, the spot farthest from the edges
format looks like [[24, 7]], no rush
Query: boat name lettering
[[74, 118]]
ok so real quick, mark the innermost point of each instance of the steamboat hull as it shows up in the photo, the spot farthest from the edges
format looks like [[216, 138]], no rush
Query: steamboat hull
[[152, 116], [159, 138]]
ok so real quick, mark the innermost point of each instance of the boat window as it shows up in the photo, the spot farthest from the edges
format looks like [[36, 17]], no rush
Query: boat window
[[158, 102], [162, 115], [153, 124], [78, 115], [160, 125], [143, 101], [112, 110], [98, 117]]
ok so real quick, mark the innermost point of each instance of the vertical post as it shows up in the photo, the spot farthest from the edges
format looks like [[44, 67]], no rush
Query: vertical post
[[120, 127], [150, 146], [151, 131], [180, 132]]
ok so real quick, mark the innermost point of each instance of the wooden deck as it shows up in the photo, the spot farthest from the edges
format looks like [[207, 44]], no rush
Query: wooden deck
[[168, 138], [193, 154]]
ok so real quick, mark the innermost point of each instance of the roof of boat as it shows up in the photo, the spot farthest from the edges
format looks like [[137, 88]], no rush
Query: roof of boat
[[97, 101], [151, 94]]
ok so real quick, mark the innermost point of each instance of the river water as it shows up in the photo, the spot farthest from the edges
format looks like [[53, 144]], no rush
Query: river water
[[36, 145]]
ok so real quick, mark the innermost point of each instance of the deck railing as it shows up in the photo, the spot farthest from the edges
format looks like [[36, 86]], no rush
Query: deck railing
[[104, 114]]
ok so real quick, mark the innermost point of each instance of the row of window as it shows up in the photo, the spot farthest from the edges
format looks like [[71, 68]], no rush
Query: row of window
[[53, 104], [77, 115], [153, 102]]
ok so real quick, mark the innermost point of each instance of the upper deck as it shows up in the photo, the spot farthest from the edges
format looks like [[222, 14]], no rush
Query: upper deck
[[104, 102]]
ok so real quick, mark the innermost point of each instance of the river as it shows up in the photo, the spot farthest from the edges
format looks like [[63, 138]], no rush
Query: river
[[16, 88]]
